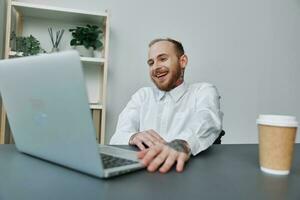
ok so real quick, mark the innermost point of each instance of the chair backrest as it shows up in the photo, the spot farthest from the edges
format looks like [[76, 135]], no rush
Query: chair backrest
[[218, 140]]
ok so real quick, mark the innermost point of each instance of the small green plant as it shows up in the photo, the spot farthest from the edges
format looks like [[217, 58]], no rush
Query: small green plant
[[87, 36], [26, 45]]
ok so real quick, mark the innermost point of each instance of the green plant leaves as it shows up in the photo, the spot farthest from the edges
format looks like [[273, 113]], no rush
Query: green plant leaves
[[73, 42], [28, 45], [98, 44], [87, 36]]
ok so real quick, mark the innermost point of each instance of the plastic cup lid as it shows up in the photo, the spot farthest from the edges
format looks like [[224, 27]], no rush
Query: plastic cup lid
[[277, 120]]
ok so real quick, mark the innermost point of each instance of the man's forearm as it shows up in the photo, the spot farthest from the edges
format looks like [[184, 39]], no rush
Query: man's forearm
[[180, 146]]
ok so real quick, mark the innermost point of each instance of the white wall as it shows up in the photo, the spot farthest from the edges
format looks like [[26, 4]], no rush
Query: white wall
[[250, 49]]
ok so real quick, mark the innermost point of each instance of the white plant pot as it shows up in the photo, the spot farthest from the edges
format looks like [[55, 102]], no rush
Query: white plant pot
[[84, 51], [54, 49], [15, 54], [98, 54]]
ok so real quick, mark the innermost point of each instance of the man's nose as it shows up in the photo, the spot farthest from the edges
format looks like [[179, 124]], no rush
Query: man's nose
[[156, 66]]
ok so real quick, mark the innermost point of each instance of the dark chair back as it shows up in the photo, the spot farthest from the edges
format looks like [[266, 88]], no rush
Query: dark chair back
[[218, 140]]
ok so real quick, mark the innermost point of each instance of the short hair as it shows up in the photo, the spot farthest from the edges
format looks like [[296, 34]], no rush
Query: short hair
[[178, 46]]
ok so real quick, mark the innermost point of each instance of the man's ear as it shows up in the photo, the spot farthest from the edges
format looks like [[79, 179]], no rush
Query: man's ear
[[183, 60]]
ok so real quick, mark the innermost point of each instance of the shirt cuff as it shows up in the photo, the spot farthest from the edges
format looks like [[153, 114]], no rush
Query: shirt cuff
[[121, 138], [197, 145]]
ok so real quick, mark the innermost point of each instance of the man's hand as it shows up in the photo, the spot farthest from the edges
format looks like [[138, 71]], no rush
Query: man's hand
[[164, 156], [145, 139]]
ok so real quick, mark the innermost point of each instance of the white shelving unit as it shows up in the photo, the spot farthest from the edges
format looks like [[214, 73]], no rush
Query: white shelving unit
[[27, 18], [92, 60]]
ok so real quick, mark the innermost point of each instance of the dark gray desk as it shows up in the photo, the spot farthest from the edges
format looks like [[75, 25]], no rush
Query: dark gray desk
[[222, 172]]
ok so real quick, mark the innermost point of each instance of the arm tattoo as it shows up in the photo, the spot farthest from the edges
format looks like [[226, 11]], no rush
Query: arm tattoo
[[180, 146]]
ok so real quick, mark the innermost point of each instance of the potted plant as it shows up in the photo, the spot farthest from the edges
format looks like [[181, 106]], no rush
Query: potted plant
[[24, 46], [86, 39]]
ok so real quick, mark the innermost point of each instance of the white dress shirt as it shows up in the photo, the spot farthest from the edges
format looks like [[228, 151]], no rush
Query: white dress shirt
[[188, 112]]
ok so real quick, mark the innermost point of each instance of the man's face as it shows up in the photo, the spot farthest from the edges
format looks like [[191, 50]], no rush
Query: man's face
[[165, 66]]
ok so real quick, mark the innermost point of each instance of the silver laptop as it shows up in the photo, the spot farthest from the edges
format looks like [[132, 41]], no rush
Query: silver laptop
[[47, 107]]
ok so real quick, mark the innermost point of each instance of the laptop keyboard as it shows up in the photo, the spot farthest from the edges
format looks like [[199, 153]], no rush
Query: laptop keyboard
[[109, 161]]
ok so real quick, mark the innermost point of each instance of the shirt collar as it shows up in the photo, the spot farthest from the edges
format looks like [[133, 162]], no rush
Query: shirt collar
[[178, 92], [175, 93], [160, 94]]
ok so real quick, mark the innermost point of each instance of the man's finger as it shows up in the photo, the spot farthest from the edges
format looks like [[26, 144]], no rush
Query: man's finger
[[158, 160], [156, 135], [181, 161], [169, 162], [145, 138], [142, 153], [153, 151], [139, 144], [148, 142], [151, 137]]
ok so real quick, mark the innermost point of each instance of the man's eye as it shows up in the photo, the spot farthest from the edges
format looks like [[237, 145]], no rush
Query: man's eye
[[163, 59], [150, 63]]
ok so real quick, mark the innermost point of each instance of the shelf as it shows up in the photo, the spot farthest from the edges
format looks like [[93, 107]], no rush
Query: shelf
[[92, 60], [96, 106], [31, 18], [63, 14], [83, 59]]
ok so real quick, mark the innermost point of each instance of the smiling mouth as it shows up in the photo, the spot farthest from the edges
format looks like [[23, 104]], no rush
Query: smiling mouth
[[161, 76]]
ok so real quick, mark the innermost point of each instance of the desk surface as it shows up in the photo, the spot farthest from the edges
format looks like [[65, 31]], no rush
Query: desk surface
[[222, 172]]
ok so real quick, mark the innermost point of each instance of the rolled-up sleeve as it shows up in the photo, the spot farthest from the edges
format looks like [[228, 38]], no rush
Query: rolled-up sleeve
[[205, 124]]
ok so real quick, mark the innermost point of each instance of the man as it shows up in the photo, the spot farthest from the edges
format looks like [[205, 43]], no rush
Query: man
[[174, 120]]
